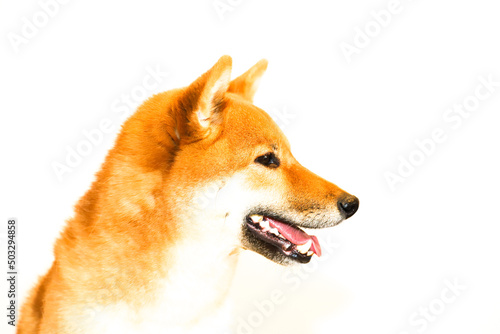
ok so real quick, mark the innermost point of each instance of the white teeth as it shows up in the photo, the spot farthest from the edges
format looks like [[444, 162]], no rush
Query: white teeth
[[256, 218], [305, 247], [264, 224], [275, 232]]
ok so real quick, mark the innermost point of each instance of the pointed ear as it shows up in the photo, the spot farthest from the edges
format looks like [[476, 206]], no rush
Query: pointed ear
[[203, 100], [246, 84]]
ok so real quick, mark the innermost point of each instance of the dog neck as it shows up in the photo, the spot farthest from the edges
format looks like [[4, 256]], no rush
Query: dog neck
[[179, 266]]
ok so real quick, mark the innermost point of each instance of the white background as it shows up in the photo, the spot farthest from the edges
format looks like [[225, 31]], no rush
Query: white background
[[350, 121]]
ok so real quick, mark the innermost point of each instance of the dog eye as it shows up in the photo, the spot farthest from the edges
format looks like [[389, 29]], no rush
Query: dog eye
[[269, 160]]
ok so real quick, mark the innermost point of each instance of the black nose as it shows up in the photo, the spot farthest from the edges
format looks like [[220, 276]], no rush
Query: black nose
[[348, 205]]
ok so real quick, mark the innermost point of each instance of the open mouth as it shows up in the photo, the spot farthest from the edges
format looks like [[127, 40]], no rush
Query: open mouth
[[290, 240]]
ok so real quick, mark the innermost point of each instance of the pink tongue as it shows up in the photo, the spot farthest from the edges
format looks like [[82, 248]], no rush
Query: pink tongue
[[295, 235]]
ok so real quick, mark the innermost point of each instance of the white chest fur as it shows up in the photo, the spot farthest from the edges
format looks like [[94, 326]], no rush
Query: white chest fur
[[191, 299]]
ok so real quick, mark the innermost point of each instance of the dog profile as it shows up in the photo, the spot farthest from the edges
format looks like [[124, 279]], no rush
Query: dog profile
[[144, 252]]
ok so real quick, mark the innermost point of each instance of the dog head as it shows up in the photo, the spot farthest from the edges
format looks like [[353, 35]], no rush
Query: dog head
[[227, 170]]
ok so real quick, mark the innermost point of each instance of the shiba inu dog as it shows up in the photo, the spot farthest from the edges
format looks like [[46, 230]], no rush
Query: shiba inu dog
[[144, 253]]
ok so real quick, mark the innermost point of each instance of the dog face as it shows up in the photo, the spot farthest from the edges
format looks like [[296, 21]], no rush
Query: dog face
[[279, 196], [213, 137]]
